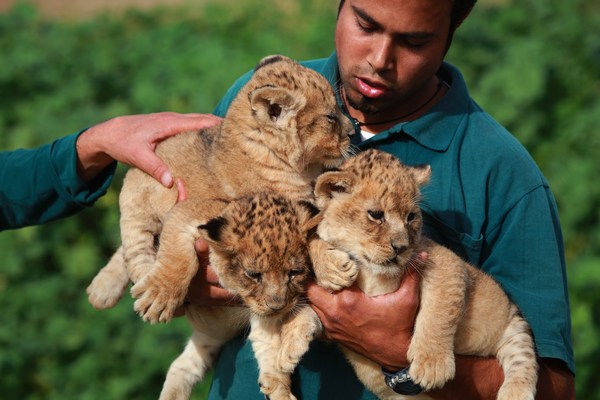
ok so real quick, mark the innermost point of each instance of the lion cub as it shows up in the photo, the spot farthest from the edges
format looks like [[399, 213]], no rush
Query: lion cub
[[259, 251], [283, 128], [371, 213]]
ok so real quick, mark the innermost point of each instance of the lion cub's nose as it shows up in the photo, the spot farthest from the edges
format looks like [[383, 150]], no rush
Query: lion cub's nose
[[276, 305], [399, 249]]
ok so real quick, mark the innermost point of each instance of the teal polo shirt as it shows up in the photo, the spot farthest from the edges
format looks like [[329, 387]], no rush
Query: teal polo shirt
[[41, 185], [487, 201]]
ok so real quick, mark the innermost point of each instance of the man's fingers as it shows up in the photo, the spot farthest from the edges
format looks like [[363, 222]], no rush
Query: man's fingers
[[205, 272], [411, 281], [170, 124], [155, 167], [181, 192], [314, 292], [185, 122], [205, 290], [202, 248], [166, 179]]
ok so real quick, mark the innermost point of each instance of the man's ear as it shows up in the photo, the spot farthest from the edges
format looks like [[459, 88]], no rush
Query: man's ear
[[275, 105], [331, 184], [421, 173]]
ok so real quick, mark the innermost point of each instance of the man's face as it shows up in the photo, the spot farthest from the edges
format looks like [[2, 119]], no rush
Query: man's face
[[389, 51]]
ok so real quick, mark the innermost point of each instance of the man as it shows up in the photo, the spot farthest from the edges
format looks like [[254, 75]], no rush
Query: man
[[487, 201], [61, 178]]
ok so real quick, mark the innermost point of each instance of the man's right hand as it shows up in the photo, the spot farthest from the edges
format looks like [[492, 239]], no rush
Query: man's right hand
[[205, 289], [380, 328]]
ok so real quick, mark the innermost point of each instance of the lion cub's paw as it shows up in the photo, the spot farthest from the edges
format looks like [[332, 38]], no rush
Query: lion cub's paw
[[335, 269], [104, 294], [274, 389], [108, 286], [157, 300], [431, 369]]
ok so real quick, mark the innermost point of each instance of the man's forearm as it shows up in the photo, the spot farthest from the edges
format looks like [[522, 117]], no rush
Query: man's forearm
[[479, 378], [555, 381], [476, 378]]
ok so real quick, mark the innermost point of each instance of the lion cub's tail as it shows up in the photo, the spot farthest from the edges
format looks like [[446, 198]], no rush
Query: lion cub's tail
[[516, 354]]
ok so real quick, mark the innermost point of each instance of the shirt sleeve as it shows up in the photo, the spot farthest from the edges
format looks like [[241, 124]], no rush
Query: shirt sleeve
[[528, 261], [223, 105], [40, 185]]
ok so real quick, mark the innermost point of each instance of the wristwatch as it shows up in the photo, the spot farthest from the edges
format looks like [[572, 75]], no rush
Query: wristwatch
[[401, 382]]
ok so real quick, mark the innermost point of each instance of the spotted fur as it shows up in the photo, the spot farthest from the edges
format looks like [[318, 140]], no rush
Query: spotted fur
[[259, 250]]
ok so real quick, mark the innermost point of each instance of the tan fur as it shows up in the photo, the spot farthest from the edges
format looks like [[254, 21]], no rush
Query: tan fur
[[371, 213], [281, 130], [259, 250]]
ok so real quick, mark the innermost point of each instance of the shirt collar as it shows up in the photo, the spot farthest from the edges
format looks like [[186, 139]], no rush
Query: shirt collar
[[437, 128]]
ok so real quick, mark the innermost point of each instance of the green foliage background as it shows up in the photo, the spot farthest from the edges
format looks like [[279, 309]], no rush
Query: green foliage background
[[535, 66]]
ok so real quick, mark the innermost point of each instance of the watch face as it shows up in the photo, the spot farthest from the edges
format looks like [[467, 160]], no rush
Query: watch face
[[401, 382]]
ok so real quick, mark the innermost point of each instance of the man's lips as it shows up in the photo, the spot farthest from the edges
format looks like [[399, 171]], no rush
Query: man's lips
[[370, 89]]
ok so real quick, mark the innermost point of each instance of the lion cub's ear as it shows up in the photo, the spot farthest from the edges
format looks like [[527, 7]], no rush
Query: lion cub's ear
[[308, 215], [332, 184], [275, 105], [421, 174], [215, 233]]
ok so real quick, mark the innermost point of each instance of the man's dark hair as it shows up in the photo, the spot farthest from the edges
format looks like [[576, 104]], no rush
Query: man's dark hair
[[460, 11]]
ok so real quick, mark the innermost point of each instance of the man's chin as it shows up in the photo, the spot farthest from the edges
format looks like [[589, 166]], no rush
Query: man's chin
[[365, 105]]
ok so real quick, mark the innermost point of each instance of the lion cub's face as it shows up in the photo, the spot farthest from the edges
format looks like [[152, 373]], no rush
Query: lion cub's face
[[371, 210], [295, 109], [259, 250]]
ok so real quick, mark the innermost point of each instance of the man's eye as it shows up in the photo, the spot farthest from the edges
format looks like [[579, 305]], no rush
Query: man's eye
[[415, 43], [363, 26]]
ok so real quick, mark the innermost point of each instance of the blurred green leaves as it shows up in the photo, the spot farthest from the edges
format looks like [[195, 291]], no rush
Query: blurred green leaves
[[535, 66]]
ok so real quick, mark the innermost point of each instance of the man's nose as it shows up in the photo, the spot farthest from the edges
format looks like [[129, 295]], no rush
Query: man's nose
[[382, 57]]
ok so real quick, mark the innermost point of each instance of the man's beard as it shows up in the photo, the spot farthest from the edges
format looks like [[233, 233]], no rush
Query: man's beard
[[363, 105]]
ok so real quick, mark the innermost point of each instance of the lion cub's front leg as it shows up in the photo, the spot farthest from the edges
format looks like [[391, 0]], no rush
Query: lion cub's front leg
[[278, 347], [164, 288], [265, 336], [296, 334], [443, 302], [333, 268]]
